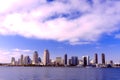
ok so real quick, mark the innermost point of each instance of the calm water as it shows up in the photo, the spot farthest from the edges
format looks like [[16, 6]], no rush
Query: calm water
[[52, 73]]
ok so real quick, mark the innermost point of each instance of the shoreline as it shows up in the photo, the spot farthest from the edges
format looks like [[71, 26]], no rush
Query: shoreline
[[55, 66]]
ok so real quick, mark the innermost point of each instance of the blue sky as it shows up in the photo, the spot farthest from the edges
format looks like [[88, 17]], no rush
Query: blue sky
[[75, 27]]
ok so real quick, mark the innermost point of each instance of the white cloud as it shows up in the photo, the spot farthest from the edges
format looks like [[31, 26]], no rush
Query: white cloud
[[21, 50], [30, 19], [5, 55], [117, 36], [79, 43], [16, 5]]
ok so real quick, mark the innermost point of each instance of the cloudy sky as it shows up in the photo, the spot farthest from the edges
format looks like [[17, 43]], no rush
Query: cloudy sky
[[75, 27]]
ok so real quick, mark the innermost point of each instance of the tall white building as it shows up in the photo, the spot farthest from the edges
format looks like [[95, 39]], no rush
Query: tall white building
[[35, 58], [46, 57], [88, 60]]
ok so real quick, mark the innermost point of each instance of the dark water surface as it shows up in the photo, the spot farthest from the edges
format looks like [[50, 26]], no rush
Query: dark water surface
[[53, 73]]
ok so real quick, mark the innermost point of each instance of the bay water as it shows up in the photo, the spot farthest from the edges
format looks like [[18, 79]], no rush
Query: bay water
[[58, 73]]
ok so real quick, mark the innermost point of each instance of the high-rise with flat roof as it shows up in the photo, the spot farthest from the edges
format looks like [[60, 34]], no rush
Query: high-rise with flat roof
[[65, 59], [46, 57], [103, 58], [70, 62], [74, 60], [88, 60], [39, 60], [58, 60], [21, 60], [84, 61], [96, 58], [13, 61]]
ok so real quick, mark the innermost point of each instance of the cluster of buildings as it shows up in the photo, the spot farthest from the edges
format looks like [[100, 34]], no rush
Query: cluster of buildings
[[26, 60], [85, 61]]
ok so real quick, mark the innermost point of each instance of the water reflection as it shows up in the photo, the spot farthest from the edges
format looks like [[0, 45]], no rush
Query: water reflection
[[52, 73]]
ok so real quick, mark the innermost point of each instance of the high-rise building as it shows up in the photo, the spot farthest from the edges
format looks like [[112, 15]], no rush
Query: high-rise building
[[88, 60], [74, 60], [21, 60], [58, 61], [65, 59], [46, 57], [27, 60], [39, 60], [13, 61], [103, 58], [84, 61], [96, 58], [70, 62], [35, 57]]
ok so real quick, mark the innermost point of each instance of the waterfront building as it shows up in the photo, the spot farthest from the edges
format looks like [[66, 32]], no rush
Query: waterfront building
[[70, 62], [96, 58], [46, 57], [35, 58], [74, 60], [21, 60], [65, 59], [88, 60], [58, 61], [103, 58], [39, 60], [84, 61], [13, 62], [27, 60]]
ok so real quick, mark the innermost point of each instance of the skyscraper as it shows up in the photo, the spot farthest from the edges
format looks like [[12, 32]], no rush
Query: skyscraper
[[74, 60], [84, 61], [103, 58], [65, 59], [88, 60], [70, 62], [13, 61], [27, 60], [21, 60], [46, 57], [96, 58], [35, 57], [39, 60]]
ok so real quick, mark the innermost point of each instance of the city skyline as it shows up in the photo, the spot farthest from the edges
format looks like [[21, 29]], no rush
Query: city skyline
[[46, 58], [98, 57], [75, 27], [84, 61]]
